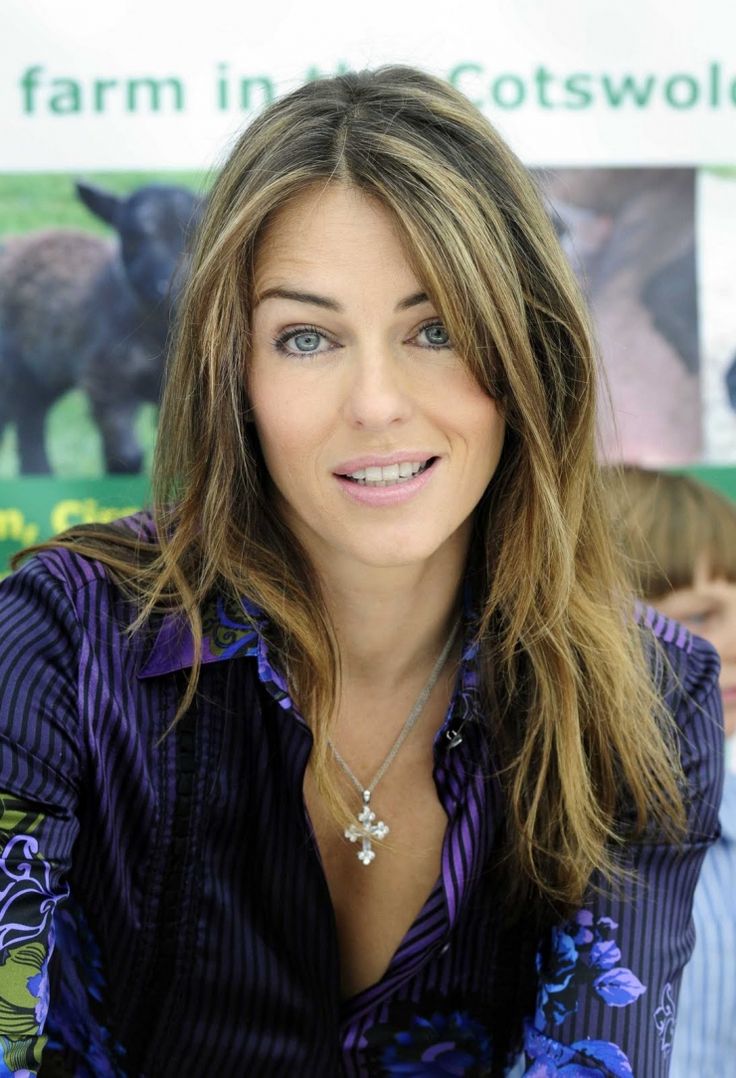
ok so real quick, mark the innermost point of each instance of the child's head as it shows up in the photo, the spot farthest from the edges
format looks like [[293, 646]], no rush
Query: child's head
[[681, 538]]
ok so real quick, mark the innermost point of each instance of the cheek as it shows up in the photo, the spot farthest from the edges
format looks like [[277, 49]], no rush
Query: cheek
[[482, 419], [267, 413], [287, 420], [481, 409]]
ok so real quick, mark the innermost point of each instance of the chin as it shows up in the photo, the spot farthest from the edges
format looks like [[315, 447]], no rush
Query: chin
[[392, 555], [390, 560]]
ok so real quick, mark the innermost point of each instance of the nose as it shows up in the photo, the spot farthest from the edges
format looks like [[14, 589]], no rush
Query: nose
[[378, 392]]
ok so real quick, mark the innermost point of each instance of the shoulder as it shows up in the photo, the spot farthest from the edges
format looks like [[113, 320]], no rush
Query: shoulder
[[685, 671], [68, 569], [67, 662], [685, 667], [65, 592]]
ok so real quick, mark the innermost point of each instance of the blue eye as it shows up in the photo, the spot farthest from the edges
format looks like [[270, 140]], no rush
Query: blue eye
[[435, 335], [305, 341]]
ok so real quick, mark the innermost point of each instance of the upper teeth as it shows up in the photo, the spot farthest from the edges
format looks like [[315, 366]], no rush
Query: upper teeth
[[390, 474]]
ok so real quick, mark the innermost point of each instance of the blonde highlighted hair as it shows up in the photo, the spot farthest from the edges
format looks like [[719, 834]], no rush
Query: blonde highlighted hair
[[567, 691]]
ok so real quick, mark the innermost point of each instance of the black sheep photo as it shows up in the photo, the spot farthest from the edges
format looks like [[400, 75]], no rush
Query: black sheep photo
[[85, 318]]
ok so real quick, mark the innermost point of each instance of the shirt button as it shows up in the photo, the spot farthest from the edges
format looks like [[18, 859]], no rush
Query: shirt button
[[445, 949]]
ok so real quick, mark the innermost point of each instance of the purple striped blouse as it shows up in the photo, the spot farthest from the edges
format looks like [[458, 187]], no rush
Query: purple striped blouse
[[163, 910]]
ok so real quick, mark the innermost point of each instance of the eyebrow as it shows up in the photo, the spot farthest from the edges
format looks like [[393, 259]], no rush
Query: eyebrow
[[332, 304]]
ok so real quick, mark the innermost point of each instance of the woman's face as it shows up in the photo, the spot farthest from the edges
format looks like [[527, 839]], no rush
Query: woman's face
[[709, 609], [378, 440]]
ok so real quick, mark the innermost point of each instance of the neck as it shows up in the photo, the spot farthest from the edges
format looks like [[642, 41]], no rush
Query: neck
[[393, 622]]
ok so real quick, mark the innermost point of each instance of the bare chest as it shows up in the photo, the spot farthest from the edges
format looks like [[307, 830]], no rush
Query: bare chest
[[376, 904]]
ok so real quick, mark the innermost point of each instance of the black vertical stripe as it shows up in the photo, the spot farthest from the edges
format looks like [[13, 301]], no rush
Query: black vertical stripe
[[215, 933]]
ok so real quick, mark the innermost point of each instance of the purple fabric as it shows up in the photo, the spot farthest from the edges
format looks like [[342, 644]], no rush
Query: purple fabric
[[199, 922]]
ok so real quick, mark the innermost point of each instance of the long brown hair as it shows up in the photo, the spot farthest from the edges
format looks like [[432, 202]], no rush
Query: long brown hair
[[567, 690]]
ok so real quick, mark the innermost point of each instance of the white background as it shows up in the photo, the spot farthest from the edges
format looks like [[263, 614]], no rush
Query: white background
[[83, 40]]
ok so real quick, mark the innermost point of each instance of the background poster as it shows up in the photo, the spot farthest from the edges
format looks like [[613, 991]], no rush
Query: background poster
[[115, 118]]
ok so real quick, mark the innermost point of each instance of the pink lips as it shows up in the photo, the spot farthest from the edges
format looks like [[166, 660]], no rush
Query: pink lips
[[394, 494]]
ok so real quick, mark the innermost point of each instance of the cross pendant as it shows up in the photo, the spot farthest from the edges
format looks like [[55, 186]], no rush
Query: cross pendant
[[367, 831]]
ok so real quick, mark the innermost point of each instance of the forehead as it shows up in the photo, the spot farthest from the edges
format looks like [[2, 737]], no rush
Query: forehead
[[333, 231]]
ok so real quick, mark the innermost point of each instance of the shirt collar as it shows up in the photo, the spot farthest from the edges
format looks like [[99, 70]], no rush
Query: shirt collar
[[233, 630], [230, 630]]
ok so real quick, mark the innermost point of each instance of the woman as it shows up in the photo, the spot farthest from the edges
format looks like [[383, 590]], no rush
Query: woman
[[681, 536], [348, 758]]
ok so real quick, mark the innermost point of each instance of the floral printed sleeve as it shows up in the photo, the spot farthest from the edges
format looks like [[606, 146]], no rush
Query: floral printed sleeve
[[608, 978], [581, 973], [28, 897], [40, 767]]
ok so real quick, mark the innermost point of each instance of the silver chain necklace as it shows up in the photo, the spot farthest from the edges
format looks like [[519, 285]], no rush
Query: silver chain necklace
[[367, 829]]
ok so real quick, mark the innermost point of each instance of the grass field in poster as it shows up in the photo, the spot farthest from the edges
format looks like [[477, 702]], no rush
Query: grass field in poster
[[41, 201]]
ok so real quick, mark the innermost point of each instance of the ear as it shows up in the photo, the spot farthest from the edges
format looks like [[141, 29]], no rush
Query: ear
[[103, 204]]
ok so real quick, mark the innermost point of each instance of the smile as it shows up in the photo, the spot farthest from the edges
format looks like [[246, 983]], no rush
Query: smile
[[390, 474], [388, 484]]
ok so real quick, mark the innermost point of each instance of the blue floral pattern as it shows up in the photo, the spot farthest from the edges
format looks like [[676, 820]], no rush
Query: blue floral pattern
[[582, 1059], [582, 955], [233, 629], [76, 1024], [436, 1044], [28, 937], [228, 629], [27, 901]]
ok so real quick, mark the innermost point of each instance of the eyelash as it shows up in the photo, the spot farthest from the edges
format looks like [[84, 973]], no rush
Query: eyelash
[[428, 325], [281, 340]]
